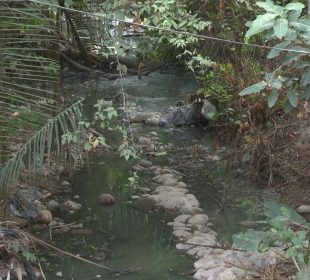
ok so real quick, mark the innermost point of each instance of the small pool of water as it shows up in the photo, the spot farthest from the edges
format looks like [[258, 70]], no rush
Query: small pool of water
[[131, 239]]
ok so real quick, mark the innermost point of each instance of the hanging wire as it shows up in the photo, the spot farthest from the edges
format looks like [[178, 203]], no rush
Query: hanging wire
[[200, 37]]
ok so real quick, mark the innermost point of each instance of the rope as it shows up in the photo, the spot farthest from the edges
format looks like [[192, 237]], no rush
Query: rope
[[201, 37]]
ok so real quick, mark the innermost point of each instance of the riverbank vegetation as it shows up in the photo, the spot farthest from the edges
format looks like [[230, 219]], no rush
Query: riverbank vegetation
[[250, 59]]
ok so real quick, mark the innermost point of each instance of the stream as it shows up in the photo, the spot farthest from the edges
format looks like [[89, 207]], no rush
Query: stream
[[138, 245]]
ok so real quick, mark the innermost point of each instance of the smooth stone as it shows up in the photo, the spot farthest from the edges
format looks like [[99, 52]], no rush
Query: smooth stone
[[217, 273], [182, 218], [144, 140], [53, 205], [150, 148], [145, 190], [45, 217], [152, 133], [176, 224], [73, 205], [145, 163], [163, 177], [65, 184], [145, 203], [181, 185], [181, 234], [202, 241], [194, 251], [208, 263], [106, 199], [303, 209], [184, 247], [198, 219]]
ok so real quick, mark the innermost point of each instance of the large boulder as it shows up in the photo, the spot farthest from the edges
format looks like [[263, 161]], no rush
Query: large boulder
[[184, 115]]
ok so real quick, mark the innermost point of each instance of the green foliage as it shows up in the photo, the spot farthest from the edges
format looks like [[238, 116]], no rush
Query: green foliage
[[285, 24], [286, 227], [218, 92], [175, 15]]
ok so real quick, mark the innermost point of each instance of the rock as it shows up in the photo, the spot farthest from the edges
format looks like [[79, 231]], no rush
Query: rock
[[176, 224], [217, 273], [181, 185], [167, 179], [181, 234], [198, 219], [184, 115], [73, 205], [182, 218], [45, 217], [65, 184], [153, 133], [208, 110], [144, 140], [145, 203], [149, 148], [145, 163], [53, 205], [106, 199], [184, 247], [202, 241], [303, 209]]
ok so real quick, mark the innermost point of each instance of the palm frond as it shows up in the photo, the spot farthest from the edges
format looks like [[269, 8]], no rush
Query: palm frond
[[31, 112], [41, 144]]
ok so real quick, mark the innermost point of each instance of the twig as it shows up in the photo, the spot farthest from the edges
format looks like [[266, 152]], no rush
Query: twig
[[63, 252]]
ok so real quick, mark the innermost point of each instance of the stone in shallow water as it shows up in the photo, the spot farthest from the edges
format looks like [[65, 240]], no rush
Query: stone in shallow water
[[218, 273], [145, 203], [73, 205], [181, 234], [198, 219], [202, 241], [183, 246], [182, 218]]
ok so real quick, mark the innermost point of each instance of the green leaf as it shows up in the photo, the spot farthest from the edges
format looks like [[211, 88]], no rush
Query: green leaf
[[254, 88], [294, 15], [270, 7], [280, 27], [292, 98], [275, 52], [304, 274], [292, 215], [302, 25], [306, 94], [294, 6], [260, 24], [290, 58], [276, 83], [272, 98], [251, 240], [305, 78]]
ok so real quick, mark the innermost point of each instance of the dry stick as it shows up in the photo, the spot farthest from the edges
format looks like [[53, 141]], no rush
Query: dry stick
[[64, 252]]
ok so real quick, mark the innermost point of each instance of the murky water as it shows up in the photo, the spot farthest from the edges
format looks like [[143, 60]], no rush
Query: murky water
[[136, 244]]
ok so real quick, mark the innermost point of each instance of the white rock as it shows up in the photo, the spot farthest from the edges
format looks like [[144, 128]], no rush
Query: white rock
[[181, 234], [73, 205], [198, 219], [183, 247], [182, 218], [303, 209], [202, 241], [218, 273]]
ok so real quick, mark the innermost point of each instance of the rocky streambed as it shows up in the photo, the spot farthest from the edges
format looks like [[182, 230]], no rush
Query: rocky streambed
[[194, 234]]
